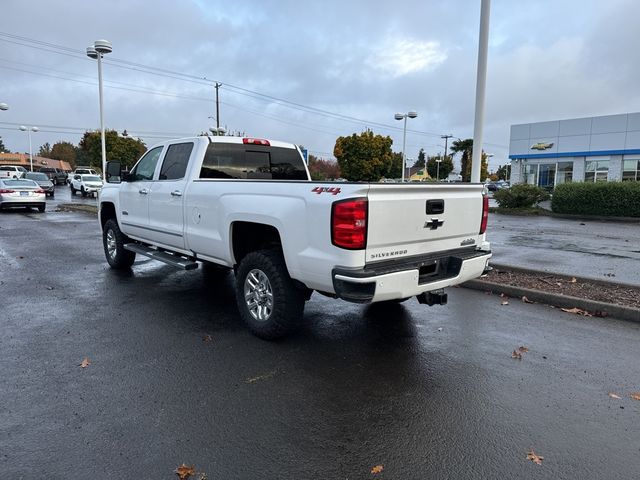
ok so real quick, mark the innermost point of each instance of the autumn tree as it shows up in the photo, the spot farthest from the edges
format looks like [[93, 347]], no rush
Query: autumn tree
[[323, 169], [466, 148], [126, 150], [364, 157], [446, 166]]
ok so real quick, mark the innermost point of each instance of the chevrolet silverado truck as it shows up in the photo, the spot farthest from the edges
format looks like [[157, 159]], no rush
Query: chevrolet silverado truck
[[249, 205]]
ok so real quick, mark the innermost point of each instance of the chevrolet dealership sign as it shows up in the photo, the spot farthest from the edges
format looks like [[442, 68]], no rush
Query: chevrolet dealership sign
[[541, 146]]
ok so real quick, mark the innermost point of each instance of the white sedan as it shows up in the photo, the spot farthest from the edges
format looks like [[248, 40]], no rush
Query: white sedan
[[86, 184], [22, 193]]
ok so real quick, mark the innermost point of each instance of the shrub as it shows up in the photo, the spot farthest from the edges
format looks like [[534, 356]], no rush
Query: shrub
[[521, 195], [615, 199]]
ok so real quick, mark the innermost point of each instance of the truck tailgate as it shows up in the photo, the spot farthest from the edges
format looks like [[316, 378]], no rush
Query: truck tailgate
[[406, 220]]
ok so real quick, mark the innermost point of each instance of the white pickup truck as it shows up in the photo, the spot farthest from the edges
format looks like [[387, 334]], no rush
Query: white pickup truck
[[249, 205]]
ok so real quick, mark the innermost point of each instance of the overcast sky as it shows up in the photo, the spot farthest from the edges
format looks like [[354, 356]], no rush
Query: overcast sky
[[308, 72]]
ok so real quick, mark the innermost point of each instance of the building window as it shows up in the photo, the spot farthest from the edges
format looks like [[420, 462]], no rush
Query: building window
[[547, 175], [631, 170], [597, 171], [564, 173], [530, 174]]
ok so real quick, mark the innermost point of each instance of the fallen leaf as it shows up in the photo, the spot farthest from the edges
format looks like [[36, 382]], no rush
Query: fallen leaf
[[207, 338], [377, 469], [537, 459], [635, 396], [439, 329], [85, 363], [600, 314], [613, 395], [559, 284], [503, 295], [516, 354], [526, 300], [184, 471], [49, 288], [523, 349], [20, 257], [573, 280], [504, 302], [577, 311], [261, 377]]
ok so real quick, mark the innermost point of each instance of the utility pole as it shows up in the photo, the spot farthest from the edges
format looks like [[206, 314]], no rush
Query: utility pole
[[446, 139], [218, 85]]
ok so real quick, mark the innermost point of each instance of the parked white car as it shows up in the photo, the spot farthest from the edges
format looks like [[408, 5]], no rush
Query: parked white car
[[19, 192], [12, 171], [86, 184]]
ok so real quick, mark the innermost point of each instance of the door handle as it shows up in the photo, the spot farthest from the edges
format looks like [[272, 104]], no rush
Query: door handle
[[176, 193], [143, 191]]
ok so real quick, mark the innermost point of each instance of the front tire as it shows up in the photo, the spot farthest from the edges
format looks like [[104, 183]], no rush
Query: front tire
[[73, 190], [113, 241], [268, 300], [82, 192]]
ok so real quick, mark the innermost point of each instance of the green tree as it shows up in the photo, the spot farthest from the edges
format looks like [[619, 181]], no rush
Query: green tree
[[421, 159], [3, 149], [395, 169], [446, 166], [503, 172], [126, 150], [45, 150], [64, 151], [364, 157], [466, 148]]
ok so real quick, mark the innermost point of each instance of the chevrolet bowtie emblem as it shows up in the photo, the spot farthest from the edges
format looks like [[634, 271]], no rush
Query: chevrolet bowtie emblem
[[433, 224]]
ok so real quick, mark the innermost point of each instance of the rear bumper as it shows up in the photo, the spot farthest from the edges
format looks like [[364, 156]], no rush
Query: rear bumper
[[400, 279]]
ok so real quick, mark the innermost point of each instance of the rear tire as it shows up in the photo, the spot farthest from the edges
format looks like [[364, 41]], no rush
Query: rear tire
[[73, 190], [42, 208], [113, 241], [268, 300], [82, 192]]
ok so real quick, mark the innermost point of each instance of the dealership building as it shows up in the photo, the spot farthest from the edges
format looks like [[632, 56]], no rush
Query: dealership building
[[590, 149]]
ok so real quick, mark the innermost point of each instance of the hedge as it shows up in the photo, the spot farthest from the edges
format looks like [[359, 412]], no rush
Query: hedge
[[521, 195], [610, 199]]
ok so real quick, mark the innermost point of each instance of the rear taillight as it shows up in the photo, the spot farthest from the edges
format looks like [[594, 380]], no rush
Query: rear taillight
[[255, 141], [39, 191], [6, 190], [349, 224], [485, 214]]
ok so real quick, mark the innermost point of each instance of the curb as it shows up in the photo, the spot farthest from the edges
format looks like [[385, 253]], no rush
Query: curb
[[556, 300], [543, 212], [78, 207]]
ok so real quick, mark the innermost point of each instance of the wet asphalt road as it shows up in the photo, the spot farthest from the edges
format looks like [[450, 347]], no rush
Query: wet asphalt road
[[355, 388], [601, 250]]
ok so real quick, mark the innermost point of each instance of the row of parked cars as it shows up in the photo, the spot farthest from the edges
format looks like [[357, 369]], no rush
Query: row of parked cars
[[22, 188]]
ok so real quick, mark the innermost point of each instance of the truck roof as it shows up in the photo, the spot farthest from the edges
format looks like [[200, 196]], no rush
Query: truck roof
[[233, 140]]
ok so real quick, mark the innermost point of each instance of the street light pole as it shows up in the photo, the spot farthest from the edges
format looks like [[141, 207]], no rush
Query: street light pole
[[481, 86], [29, 130], [100, 48], [401, 116]]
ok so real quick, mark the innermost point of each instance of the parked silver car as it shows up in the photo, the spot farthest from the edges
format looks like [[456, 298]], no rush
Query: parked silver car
[[22, 193], [42, 180]]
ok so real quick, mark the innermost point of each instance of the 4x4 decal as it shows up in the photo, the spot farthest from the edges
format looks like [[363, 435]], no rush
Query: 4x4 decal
[[331, 190]]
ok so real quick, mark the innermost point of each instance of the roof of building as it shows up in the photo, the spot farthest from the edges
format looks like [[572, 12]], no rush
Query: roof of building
[[22, 159]]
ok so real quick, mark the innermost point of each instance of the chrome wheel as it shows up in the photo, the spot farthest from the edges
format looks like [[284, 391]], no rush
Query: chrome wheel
[[111, 244], [258, 295]]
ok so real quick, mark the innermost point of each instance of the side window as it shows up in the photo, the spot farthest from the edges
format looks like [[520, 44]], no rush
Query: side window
[[146, 166], [175, 161]]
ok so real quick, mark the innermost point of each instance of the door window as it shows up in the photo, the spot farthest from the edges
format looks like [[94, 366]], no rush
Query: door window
[[175, 161], [146, 166]]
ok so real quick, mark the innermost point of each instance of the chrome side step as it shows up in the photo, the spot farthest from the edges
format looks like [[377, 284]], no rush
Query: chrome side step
[[168, 258]]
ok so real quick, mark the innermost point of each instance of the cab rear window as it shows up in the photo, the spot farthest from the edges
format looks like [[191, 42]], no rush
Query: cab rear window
[[249, 162]]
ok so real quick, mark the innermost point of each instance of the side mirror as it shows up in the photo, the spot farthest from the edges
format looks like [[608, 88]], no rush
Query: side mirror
[[113, 172]]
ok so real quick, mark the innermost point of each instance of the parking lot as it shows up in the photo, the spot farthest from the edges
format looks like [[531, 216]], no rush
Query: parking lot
[[173, 377]]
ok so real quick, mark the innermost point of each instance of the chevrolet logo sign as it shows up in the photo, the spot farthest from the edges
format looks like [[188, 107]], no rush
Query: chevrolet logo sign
[[433, 224], [541, 146]]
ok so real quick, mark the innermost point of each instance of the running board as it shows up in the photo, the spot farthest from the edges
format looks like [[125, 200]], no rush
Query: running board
[[173, 260]]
